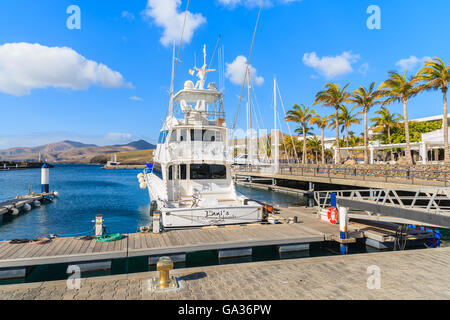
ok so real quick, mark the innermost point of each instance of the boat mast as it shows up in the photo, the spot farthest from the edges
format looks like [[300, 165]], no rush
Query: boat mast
[[276, 153], [172, 81], [249, 120]]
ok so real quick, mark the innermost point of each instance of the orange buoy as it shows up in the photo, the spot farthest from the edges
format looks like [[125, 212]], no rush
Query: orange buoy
[[333, 211]]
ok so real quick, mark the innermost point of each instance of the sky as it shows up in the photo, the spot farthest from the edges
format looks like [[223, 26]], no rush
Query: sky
[[102, 74]]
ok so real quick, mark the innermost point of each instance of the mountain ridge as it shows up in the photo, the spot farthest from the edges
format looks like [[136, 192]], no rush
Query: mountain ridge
[[70, 151]]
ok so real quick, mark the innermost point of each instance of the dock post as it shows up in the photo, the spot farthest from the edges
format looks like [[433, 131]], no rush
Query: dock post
[[98, 225], [45, 178], [343, 223], [156, 223]]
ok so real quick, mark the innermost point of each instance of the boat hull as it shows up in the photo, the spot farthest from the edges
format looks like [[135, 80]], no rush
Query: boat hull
[[211, 216]]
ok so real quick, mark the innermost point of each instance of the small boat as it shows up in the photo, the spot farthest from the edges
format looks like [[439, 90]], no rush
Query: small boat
[[190, 183]]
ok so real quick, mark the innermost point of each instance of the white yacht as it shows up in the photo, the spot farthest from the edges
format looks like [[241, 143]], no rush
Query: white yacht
[[190, 183]]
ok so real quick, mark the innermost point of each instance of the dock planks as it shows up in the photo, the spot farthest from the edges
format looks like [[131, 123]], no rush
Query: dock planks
[[72, 250]]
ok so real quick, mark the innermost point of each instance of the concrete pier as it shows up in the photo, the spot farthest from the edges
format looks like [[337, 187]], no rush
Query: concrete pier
[[414, 274]]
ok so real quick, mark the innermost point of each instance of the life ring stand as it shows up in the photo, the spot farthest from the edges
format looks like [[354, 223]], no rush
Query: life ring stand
[[335, 219]]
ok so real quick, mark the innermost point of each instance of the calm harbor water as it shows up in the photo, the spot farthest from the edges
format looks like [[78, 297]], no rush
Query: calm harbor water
[[86, 191]]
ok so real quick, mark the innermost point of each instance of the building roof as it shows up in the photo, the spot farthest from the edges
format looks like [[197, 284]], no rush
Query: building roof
[[433, 118]]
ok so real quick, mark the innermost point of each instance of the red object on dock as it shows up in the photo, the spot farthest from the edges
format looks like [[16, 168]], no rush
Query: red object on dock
[[335, 219]]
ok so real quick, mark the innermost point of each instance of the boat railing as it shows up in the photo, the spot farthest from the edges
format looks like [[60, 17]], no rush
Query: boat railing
[[198, 150]]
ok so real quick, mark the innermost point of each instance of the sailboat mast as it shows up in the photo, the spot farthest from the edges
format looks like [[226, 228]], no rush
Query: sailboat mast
[[249, 119], [276, 154], [172, 82]]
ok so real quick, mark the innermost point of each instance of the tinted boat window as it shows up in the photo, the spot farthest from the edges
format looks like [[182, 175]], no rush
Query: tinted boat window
[[157, 171], [182, 171], [162, 137], [218, 172], [200, 172], [207, 172], [171, 173]]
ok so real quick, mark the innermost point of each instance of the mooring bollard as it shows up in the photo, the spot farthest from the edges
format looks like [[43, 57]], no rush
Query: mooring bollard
[[164, 266], [98, 225], [156, 222], [343, 223]]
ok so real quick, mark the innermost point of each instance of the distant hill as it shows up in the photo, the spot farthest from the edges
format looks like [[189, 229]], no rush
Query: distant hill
[[70, 151], [139, 145], [138, 157]]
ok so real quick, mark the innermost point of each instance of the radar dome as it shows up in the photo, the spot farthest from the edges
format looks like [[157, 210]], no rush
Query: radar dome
[[189, 85]]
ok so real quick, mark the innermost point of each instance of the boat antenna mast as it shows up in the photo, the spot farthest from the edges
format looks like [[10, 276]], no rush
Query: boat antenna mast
[[202, 72]]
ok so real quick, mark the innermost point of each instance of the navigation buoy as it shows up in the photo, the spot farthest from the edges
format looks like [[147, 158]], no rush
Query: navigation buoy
[[333, 215], [45, 174]]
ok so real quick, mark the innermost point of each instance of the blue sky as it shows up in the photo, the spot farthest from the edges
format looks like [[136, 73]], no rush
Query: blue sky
[[119, 91]]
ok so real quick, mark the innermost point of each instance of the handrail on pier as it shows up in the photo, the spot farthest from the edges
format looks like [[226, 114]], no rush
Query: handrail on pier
[[429, 205], [364, 174]]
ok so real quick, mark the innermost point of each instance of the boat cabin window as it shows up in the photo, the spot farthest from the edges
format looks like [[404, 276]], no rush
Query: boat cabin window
[[206, 135], [157, 171], [182, 172], [171, 173], [163, 136], [212, 135], [183, 135], [173, 136], [207, 172]]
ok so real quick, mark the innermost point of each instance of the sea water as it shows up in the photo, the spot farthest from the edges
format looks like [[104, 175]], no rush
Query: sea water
[[85, 191]]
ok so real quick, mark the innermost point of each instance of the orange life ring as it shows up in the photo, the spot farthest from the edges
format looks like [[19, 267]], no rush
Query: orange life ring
[[336, 215]]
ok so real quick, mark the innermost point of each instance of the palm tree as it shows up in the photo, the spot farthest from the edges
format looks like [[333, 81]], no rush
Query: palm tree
[[398, 89], [321, 123], [437, 76], [366, 99], [302, 115], [314, 145], [347, 118], [385, 122], [333, 96]]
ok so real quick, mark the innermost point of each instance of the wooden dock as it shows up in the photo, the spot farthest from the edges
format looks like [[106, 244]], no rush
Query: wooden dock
[[72, 250], [16, 259]]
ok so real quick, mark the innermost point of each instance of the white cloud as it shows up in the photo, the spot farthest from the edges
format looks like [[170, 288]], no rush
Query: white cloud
[[128, 15], [331, 67], [168, 15], [411, 63], [235, 72], [135, 98], [25, 66], [254, 3]]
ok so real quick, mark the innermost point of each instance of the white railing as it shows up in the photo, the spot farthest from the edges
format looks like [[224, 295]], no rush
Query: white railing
[[198, 150], [428, 200]]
